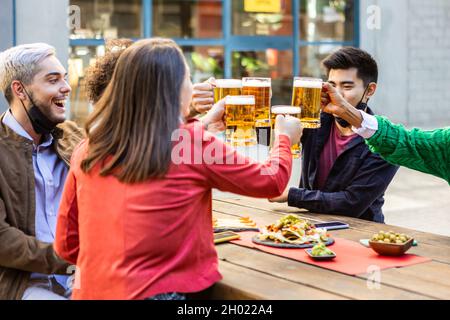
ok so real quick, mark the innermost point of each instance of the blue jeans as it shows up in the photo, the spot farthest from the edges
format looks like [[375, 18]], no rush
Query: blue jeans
[[168, 296]]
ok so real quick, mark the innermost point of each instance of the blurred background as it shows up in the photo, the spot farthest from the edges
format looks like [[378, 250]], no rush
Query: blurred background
[[410, 39], [271, 38]]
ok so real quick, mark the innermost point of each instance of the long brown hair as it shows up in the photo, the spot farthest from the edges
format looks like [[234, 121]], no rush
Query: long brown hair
[[130, 131]]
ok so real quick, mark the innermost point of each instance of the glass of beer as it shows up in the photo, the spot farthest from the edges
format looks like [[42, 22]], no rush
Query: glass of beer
[[260, 88], [306, 95], [287, 111], [240, 121], [227, 87]]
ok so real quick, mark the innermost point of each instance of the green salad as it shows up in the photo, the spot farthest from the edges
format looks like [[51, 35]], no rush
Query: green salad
[[321, 250]]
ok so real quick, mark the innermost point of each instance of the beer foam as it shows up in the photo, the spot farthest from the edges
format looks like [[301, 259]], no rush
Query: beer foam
[[229, 83], [308, 84], [256, 83], [240, 100], [286, 110]]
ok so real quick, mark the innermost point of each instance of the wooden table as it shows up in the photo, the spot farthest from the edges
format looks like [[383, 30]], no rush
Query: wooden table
[[252, 274]]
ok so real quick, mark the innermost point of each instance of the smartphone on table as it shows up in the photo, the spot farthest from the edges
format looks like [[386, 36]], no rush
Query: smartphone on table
[[333, 225]]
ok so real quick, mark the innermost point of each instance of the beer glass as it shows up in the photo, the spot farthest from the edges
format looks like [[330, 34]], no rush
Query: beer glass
[[306, 95], [227, 87], [240, 121], [287, 111], [260, 88]]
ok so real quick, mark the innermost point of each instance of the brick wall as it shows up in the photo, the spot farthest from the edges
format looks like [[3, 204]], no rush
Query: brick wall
[[429, 62], [412, 48], [6, 37]]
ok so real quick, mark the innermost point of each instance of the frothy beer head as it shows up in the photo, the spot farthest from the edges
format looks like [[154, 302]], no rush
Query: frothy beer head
[[229, 83], [257, 82], [240, 100], [286, 110], [309, 84], [227, 87]]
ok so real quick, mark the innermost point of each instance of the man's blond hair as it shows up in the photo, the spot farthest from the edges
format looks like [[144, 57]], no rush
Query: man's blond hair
[[21, 63]]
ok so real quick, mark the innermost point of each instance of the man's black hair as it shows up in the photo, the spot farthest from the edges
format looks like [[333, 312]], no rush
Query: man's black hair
[[350, 57]]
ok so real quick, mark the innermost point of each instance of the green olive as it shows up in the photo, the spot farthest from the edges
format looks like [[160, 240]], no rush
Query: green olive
[[387, 240]]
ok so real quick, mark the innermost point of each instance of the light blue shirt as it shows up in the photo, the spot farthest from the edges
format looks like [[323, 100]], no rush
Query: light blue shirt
[[50, 173]]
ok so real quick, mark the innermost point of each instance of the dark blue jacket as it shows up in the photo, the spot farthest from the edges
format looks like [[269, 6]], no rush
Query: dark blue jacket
[[356, 184]]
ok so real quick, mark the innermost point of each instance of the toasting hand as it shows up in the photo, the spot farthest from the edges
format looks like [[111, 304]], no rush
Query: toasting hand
[[203, 96], [213, 120], [289, 126], [334, 103]]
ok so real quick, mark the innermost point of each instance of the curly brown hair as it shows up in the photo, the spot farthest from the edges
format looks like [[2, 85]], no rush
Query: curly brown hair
[[99, 74]]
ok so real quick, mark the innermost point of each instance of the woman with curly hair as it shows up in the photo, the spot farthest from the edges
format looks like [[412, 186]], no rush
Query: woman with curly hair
[[99, 74]]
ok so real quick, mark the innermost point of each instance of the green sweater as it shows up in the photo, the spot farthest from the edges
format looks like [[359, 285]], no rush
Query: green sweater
[[425, 151]]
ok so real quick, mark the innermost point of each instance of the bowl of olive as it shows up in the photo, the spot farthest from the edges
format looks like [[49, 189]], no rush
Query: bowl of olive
[[390, 243]]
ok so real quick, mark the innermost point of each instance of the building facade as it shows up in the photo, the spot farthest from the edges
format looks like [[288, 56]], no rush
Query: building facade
[[279, 39]]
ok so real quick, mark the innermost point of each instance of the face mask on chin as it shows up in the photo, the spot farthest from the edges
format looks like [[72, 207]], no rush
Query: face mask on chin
[[41, 124], [360, 106]]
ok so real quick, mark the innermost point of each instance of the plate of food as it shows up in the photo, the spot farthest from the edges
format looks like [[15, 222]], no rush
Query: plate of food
[[292, 232], [237, 225], [320, 252]]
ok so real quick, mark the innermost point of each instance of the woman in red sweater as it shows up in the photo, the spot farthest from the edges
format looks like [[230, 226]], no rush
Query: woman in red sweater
[[136, 213]]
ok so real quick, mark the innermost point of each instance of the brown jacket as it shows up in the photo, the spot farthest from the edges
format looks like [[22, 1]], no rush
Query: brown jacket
[[20, 252]]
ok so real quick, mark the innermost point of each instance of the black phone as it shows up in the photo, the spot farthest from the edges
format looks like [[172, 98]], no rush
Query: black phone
[[225, 236], [333, 225]]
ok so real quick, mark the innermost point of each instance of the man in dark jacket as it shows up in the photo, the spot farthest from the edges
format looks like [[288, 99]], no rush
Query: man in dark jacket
[[36, 144], [339, 173]]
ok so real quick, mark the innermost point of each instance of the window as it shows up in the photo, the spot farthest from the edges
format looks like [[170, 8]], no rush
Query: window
[[270, 63], [80, 58], [204, 62], [187, 18], [220, 38], [102, 19], [262, 23], [310, 58], [326, 20]]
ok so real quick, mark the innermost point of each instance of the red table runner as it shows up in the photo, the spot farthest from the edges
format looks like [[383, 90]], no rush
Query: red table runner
[[351, 258]]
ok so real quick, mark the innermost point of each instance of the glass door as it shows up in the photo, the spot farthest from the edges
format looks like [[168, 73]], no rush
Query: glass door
[[220, 38]]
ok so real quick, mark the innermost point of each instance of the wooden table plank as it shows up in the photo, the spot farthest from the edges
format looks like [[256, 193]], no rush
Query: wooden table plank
[[308, 275], [431, 278], [423, 281], [240, 283], [439, 253], [282, 208]]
